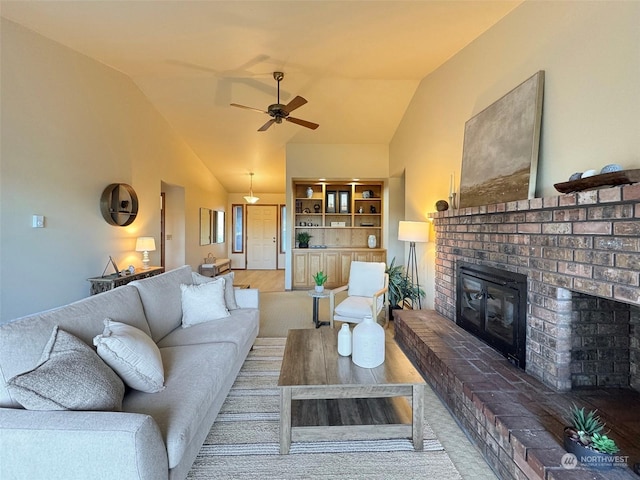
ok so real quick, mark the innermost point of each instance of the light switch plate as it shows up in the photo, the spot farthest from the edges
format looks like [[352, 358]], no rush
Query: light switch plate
[[38, 221]]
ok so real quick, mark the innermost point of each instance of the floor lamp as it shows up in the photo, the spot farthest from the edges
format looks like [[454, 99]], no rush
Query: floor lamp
[[413, 232]]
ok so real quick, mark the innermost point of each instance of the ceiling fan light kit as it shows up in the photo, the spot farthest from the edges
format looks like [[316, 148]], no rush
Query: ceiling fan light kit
[[279, 112]]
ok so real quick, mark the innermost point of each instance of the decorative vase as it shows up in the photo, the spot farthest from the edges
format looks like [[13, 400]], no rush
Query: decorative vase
[[368, 343], [344, 340], [319, 288], [371, 241], [309, 192]]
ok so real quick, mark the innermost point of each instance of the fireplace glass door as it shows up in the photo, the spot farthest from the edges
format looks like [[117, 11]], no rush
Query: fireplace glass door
[[492, 306]]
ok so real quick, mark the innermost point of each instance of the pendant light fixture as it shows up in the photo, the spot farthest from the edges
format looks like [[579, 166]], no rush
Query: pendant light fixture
[[250, 198]]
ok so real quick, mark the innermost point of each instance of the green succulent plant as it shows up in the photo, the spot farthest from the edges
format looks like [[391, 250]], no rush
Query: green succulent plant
[[587, 427], [604, 444], [320, 278], [585, 423]]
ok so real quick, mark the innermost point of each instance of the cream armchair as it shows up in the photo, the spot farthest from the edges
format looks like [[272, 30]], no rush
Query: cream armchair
[[368, 284]]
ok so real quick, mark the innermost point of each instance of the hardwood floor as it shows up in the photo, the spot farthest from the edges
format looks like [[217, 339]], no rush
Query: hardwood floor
[[263, 280]]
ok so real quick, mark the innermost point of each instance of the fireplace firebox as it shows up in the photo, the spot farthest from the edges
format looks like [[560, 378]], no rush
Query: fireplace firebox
[[492, 305]]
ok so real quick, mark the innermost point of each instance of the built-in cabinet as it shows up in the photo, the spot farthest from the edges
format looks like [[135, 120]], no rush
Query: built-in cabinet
[[340, 217]]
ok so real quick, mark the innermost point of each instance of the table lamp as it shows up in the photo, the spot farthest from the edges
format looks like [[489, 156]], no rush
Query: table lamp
[[145, 245]]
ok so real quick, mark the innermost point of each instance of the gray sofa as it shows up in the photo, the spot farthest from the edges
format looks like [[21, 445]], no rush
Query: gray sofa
[[156, 435]]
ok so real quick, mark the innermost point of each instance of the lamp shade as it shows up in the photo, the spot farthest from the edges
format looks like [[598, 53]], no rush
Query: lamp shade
[[251, 198], [145, 244], [413, 231]]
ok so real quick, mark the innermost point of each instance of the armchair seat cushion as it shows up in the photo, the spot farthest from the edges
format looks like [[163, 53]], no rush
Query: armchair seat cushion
[[354, 307]]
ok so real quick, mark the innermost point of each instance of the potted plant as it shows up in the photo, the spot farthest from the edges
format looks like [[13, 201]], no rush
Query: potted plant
[[585, 440], [400, 287], [303, 239], [320, 278]]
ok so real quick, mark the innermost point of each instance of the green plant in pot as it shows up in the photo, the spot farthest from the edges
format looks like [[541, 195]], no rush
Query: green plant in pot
[[584, 439], [401, 288], [303, 239], [320, 278]]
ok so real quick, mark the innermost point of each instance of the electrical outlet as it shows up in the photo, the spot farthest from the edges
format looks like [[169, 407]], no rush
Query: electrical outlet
[[38, 221]]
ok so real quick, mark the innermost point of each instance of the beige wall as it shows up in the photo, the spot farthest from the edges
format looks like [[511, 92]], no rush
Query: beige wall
[[70, 127], [334, 162], [590, 52]]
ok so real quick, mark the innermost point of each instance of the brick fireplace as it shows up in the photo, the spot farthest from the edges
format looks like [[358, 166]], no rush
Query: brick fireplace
[[581, 255]]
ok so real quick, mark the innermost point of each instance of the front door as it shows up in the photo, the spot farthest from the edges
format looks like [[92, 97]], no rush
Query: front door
[[262, 230]]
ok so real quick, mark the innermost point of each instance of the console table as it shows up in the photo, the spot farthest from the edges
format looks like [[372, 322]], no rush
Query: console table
[[109, 282], [219, 266]]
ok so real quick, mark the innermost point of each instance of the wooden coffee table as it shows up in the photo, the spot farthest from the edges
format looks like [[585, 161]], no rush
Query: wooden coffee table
[[312, 369]]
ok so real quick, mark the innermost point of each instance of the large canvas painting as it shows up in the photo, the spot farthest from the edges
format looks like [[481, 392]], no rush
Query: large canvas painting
[[500, 154]]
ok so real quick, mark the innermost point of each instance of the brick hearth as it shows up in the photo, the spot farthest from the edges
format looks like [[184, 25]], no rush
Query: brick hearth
[[515, 420]]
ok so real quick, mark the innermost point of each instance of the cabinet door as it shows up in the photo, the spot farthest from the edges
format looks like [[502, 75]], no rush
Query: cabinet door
[[316, 265], [362, 256], [345, 266], [379, 256], [332, 269], [300, 270]]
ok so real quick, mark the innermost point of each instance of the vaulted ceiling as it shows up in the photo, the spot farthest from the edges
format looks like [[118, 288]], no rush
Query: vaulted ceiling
[[358, 63]]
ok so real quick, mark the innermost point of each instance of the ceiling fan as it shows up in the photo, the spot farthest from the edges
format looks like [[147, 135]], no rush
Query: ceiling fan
[[281, 112]]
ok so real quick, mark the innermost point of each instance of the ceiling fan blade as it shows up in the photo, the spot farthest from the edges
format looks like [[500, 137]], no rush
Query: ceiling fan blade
[[304, 123], [248, 108], [297, 102], [267, 125]]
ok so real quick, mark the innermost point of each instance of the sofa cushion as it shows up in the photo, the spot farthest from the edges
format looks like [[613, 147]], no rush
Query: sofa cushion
[[161, 298], [132, 355], [203, 303], [241, 326], [194, 377], [229, 290], [69, 376], [22, 340]]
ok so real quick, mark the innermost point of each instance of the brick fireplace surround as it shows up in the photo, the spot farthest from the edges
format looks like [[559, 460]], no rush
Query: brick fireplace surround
[[581, 255]]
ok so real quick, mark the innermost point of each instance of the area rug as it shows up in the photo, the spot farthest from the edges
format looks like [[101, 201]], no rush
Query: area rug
[[243, 442]]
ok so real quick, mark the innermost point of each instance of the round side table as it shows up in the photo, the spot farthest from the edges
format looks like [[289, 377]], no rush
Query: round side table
[[316, 298]]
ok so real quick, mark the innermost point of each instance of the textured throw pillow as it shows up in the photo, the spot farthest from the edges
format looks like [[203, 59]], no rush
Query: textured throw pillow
[[229, 290], [69, 376], [203, 303], [132, 355]]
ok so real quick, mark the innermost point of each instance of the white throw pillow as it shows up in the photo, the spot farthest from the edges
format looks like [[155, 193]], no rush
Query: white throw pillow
[[132, 354], [229, 290], [203, 303], [69, 376]]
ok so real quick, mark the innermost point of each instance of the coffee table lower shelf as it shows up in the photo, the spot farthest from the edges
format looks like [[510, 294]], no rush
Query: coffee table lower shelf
[[313, 371], [414, 430]]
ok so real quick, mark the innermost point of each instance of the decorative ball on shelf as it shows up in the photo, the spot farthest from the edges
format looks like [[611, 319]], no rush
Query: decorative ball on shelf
[[442, 205], [612, 167], [575, 176], [589, 173]]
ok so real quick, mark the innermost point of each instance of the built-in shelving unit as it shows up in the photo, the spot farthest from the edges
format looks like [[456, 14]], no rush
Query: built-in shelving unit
[[340, 217]]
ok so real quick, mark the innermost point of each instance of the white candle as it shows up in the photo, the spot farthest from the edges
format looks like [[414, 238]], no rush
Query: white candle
[[451, 186]]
